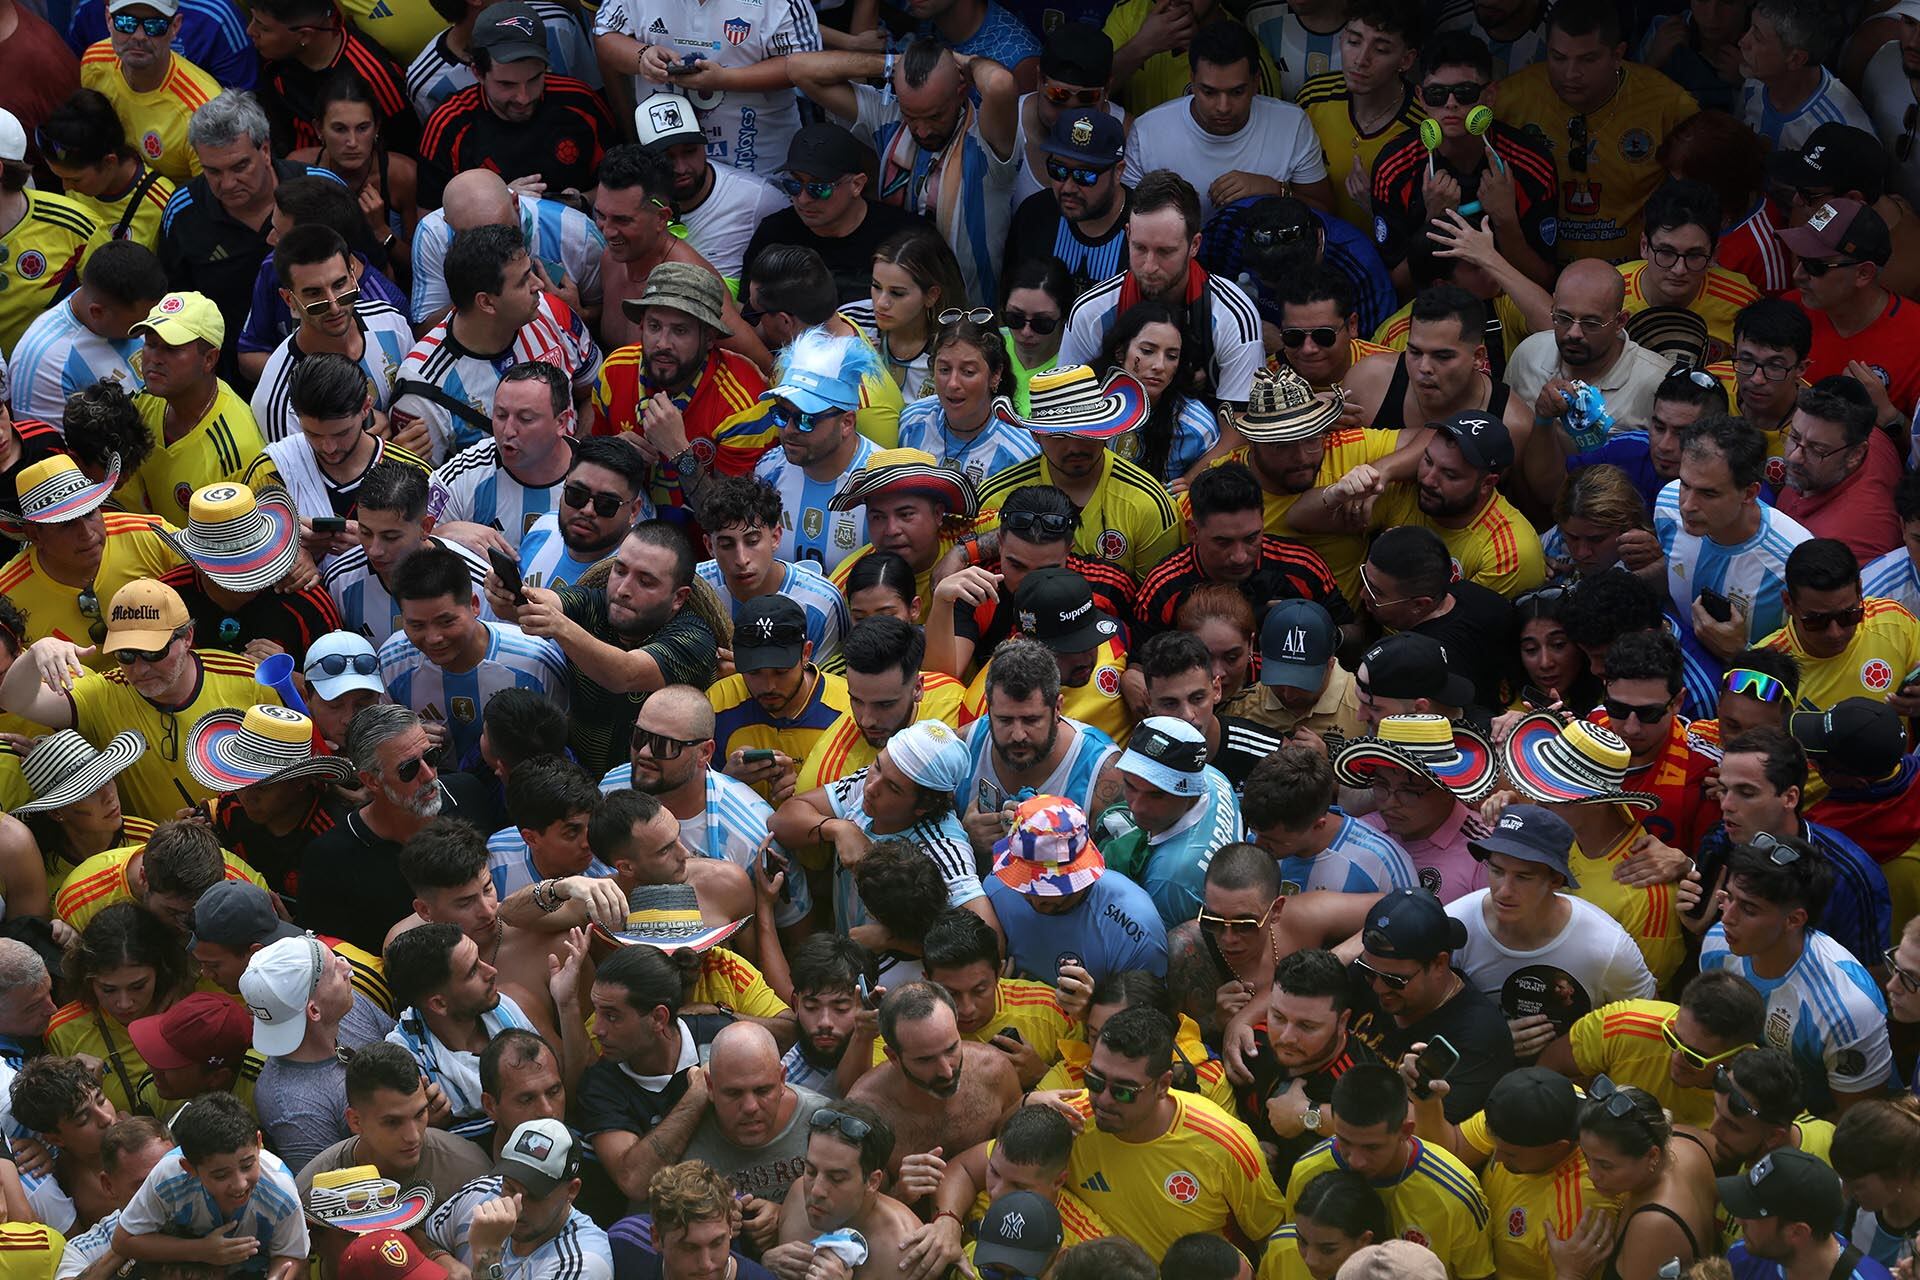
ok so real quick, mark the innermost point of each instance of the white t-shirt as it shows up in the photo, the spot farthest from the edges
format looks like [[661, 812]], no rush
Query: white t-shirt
[[725, 221], [1593, 953], [1277, 141], [1888, 95]]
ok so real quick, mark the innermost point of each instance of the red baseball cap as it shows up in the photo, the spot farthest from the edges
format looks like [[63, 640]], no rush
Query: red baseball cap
[[386, 1255], [202, 1028]]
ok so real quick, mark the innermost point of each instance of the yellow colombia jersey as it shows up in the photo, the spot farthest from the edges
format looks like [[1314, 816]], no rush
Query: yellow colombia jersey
[[1623, 1041], [1435, 1202], [1600, 204], [739, 721], [1130, 522], [74, 1028], [1031, 1009], [1097, 702], [1204, 1172], [369, 973], [155, 121], [1885, 646], [1392, 333], [1815, 1137], [1282, 1260], [1499, 550], [1526, 1206], [134, 834], [104, 704], [1329, 108], [42, 261], [950, 535], [403, 30], [1078, 1223], [1721, 298], [148, 196], [1648, 915], [1210, 1073], [13, 786], [31, 1244], [729, 979], [132, 551], [843, 749], [221, 446], [101, 881], [1165, 75]]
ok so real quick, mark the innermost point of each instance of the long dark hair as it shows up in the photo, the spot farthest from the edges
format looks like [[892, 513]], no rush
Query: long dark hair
[[1156, 433], [984, 338], [122, 935], [1552, 604]]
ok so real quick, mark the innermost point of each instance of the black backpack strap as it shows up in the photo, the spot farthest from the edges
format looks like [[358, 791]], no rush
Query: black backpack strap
[[458, 408], [140, 189]]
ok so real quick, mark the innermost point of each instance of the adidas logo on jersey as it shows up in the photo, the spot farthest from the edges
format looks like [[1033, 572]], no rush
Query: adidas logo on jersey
[[1098, 1182], [381, 10], [657, 28]]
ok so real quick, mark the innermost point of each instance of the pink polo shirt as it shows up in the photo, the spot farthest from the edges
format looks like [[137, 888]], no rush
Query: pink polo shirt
[[1446, 867]]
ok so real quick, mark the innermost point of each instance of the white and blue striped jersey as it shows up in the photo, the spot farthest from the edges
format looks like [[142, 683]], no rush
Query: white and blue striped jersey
[[437, 73], [365, 604], [1073, 778], [1509, 56], [1827, 1012], [547, 561], [1360, 860], [806, 586], [1195, 430], [472, 485], [88, 1247], [510, 863], [1299, 54], [579, 1252], [1864, 1231], [944, 842], [801, 1074], [563, 238], [1831, 103], [49, 1199], [923, 425], [388, 337], [513, 660], [58, 356], [457, 1071], [1178, 858], [1892, 577], [812, 531], [1752, 575], [172, 1201]]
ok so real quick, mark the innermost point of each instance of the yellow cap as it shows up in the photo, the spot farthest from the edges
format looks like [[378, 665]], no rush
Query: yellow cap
[[144, 615], [179, 318]]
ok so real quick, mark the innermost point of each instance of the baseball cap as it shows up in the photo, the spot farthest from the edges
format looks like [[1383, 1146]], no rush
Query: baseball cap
[[1392, 1260], [342, 649], [1080, 53], [1533, 1107], [165, 8], [143, 615], [237, 914], [666, 120], [539, 1155], [279, 982], [13, 137], [1087, 135], [1482, 439], [770, 633], [1842, 228], [824, 151], [179, 318], [1168, 753], [1411, 665], [1296, 642], [1836, 156], [1531, 834], [1855, 737], [1055, 606], [1786, 1183], [386, 1255], [510, 32], [203, 1027], [1410, 924], [1021, 1230]]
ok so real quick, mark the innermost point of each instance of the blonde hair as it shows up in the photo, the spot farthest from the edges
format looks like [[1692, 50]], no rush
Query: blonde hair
[[689, 1192], [1605, 495]]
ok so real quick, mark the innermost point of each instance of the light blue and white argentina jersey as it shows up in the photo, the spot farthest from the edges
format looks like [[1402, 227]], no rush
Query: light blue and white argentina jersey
[[944, 842], [1892, 577], [388, 338], [510, 864], [366, 605], [88, 1247], [58, 356], [513, 660], [1753, 575], [172, 1201], [807, 587], [437, 73], [472, 485], [579, 1252], [1360, 860], [547, 561], [457, 1071], [1300, 54], [1073, 778], [923, 425], [812, 532], [563, 238]]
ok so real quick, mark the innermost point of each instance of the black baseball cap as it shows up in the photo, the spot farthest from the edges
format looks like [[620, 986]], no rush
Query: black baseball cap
[[1531, 834], [1786, 1184], [1855, 738], [824, 151], [1296, 640], [1533, 1107], [1836, 156], [510, 32], [1088, 136], [1020, 1230], [1055, 607], [770, 633], [1411, 665], [1410, 924], [1482, 438], [1077, 53]]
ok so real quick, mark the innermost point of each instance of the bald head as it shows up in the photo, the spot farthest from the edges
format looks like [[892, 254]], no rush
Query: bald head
[[682, 710], [1590, 290], [1590, 287], [743, 1049], [748, 1086], [479, 198]]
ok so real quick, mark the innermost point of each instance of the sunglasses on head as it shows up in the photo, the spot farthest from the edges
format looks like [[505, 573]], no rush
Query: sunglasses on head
[[1908, 978], [1268, 237], [1466, 93], [1061, 96], [852, 1128], [336, 664], [1018, 320], [49, 148], [1617, 1101], [1684, 368], [89, 603], [408, 770], [659, 745], [1025, 524], [126, 24], [1823, 621], [1778, 853], [818, 190], [1234, 924], [1577, 144], [1323, 337], [1755, 684], [1098, 1084], [1644, 712], [1061, 171], [976, 315], [1391, 981], [579, 497], [1700, 1061], [1816, 268]]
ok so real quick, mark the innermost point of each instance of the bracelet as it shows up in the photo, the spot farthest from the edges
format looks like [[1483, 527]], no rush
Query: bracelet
[[946, 1213], [813, 837], [546, 896]]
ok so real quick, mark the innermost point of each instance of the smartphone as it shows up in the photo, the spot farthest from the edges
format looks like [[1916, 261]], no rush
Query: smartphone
[[757, 755], [1435, 1062], [1911, 678], [509, 573], [1011, 1034], [686, 66], [1538, 699], [866, 990], [329, 524], [1064, 959], [773, 863], [988, 797], [1718, 607]]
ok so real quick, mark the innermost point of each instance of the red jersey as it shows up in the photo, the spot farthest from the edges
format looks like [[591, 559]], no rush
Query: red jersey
[[1890, 346], [727, 385], [1677, 778], [1755, 250]]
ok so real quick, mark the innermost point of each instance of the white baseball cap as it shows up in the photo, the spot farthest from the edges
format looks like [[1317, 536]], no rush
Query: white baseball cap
[[539, 1155], [13, 137], [346, 653], [278, 985]]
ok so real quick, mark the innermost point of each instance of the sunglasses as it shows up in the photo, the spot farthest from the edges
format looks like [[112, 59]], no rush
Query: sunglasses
[[818, 190], [1816, 268], [1391, 981], [783, 415], [1778, 853], [852, 1128], [346, 300], [659, 745], [977, 315], [1698, 1060], [336, 664], [1323, 337], [1755, 684], [1466, 93], [1018, 320], [1617, 1101], [127, 657], [1061, 96], [170, 743], [1025, 524], [1644, 712], [408, 770], [126, 24], [1684, 368], [1742, 1107], [578, 496], [1080, 175], [1098, 1084], [1545, 595], [1234, 924], [1908, 979], [89, 602], [1268, 237], [1822, 621], [50, 148]]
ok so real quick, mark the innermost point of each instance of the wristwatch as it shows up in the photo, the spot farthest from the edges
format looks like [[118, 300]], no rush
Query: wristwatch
[[686, 463], [494, 1272], [1310, 1118]]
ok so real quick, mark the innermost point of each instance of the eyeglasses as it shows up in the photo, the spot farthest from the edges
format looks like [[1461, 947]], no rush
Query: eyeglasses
[[153, 28], [1747, 366], [818, 190], [1098, 1084], [1617, 1101], [1018, 320], [1025, 524], [408, 770], [1700, 1061], [346, 300], [1405, 792], [1824, 621], [1664, 256], [783, 415], [578, 496], [1391, 981], [1372, 592], [1908, 979], [1817, 267], [1566, 320], [1268, 237], [1755, 684], [978, 315], [1234, 924], [1778, 853], [1061, 96], [1791, 440], [852, 1128], [1684, 368], [1466, 93], [1577, 144], [660, 746], [336, 664], [1322, 337], [1079, 175], [170, 740], [1644, 712], [89, 602]]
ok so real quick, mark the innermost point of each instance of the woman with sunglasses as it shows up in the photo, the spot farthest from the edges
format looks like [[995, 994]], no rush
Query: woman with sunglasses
[[1337, 1215], [882, 584], [1146, 341], [915, 278], [957, 423], [1548, 666], [125, 965], [1033, 320], [384, 182], [1663, 1181], [1876, 1152]]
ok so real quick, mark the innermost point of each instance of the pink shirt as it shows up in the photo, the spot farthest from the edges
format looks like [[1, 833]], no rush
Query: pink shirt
[[1447, 869]]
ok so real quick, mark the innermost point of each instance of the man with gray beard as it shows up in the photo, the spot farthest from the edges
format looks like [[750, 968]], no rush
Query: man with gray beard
[[350, 882]]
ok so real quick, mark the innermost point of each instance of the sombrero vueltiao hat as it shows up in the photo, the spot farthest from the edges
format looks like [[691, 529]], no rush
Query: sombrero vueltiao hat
[[229, 749], [358, 1200], [908, 471], [1283, 409], [55, 490], [1671, 331], [243, 541], [64, 767], [1048, 854], [667, 916], [1577, 763], [1454, 756], [1073, 402]]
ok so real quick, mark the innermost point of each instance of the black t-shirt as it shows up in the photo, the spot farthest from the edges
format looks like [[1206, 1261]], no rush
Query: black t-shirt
[[1038, 229], [276, 857], [608, 1098], [849, 257], [1474, 633], [350, 882], [291, 619], [1269, 1075], [1243, 744], [1471, 1022], [600, 721], [563, 142]]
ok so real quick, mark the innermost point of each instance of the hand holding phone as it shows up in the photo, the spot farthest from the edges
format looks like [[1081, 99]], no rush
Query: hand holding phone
[[329, 524], [756, 755], [508, 571], [685, 67], [773, 863], [1435, 1062], [1718, 607]]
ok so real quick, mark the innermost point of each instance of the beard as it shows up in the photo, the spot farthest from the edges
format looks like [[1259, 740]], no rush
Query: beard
[[1033, 755], [815, 1056], [644, 623], [938, 1088], [420, 806]]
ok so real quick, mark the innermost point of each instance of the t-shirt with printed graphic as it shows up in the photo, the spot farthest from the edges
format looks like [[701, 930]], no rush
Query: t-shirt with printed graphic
[[1433, 1201], [810, 530], [473, 485], [764, 1171]]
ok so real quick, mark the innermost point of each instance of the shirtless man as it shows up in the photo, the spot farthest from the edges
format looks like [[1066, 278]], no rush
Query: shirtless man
[[1439, 375], [849, 1149], [938, 1092]]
